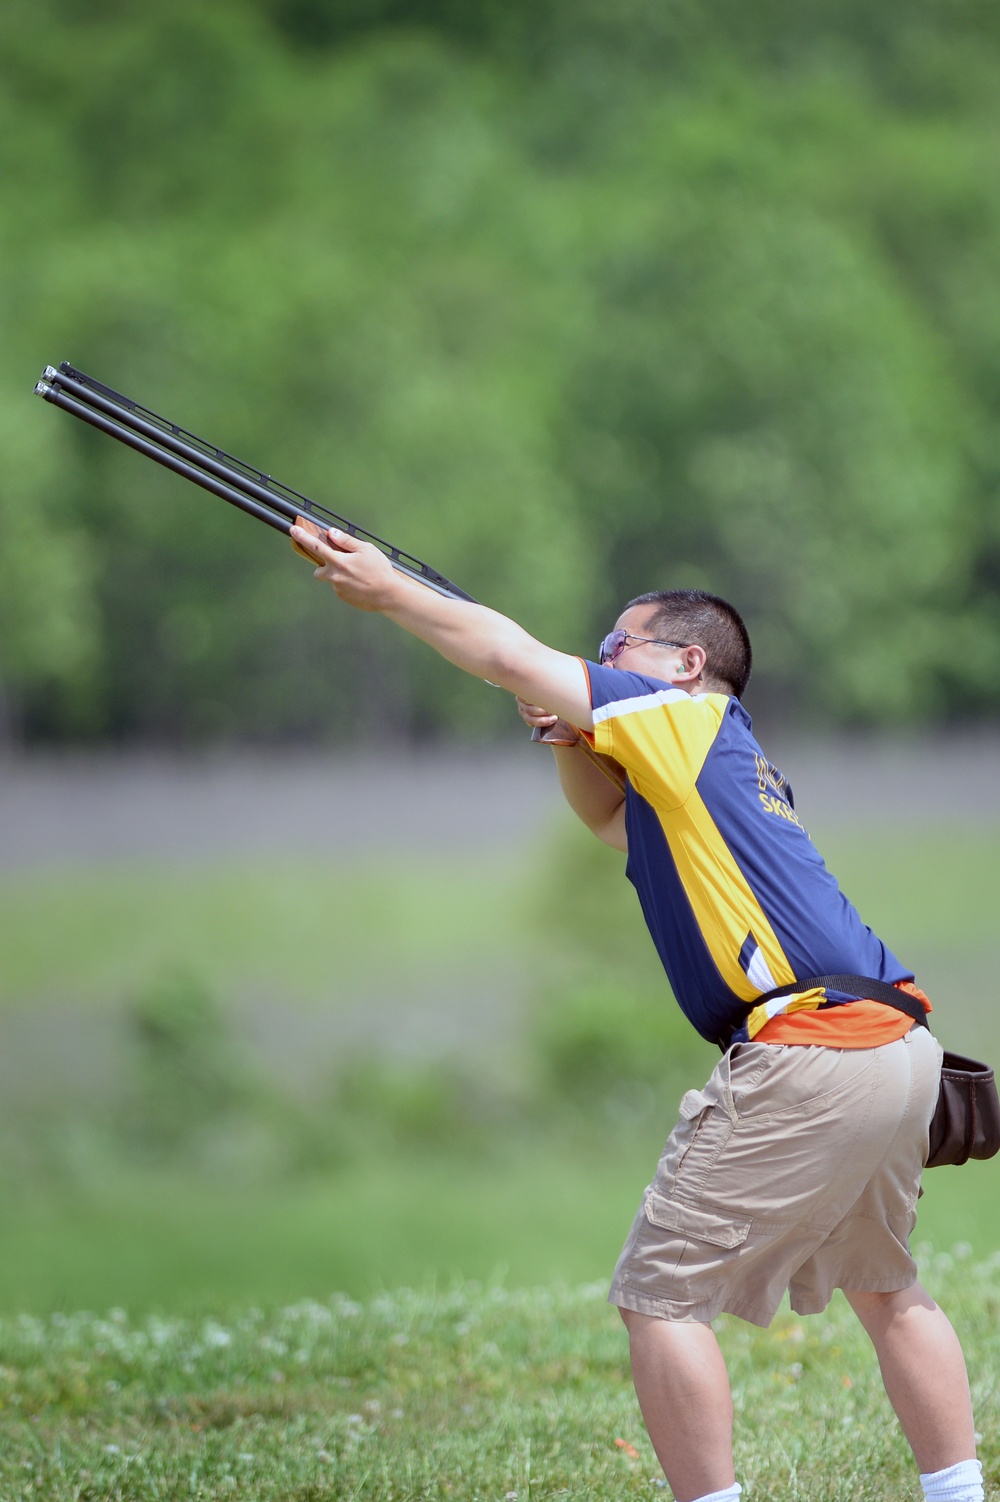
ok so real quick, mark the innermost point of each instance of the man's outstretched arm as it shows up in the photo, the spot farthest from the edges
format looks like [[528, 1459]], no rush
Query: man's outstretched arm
[[476, 639]]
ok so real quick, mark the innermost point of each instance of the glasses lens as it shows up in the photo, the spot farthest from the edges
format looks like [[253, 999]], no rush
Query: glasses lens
[[613, 645]]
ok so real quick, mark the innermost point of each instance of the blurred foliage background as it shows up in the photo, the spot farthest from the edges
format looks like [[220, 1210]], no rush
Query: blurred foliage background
[[571, 299]]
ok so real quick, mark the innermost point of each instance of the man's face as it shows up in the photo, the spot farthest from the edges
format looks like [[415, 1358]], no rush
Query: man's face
[[648, 658]]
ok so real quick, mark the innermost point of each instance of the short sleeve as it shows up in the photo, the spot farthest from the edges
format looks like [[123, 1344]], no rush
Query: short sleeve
[[659, 734]]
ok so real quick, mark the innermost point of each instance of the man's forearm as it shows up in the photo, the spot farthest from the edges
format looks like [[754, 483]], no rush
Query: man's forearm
[[475, 638]]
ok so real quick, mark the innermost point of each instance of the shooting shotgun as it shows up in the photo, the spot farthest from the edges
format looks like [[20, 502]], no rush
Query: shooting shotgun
[[231, 480]]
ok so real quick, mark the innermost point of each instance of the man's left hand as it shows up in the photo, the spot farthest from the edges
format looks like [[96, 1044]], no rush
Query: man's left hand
[[359, 572]]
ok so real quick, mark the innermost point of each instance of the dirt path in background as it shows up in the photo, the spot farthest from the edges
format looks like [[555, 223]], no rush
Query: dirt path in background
[[105, 807]]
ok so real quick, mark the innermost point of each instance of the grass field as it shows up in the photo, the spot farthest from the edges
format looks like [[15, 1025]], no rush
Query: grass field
[[161, 1241], [372, 945], [468, 1393], [322, 931], [309, 930]]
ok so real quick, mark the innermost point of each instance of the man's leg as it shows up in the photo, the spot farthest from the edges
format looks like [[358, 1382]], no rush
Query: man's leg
[[683, 1390], [924, 1373]]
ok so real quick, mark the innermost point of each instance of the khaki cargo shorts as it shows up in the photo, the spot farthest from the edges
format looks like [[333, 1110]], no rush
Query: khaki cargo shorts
[[795, 1167]]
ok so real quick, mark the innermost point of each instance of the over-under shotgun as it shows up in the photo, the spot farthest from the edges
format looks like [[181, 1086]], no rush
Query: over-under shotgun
[[212, 468]]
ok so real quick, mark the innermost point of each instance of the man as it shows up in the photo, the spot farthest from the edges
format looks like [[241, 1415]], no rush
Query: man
[[798, 1165]]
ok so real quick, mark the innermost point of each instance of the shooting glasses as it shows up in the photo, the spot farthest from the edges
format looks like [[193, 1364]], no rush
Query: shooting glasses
[[617, 640], [214, 470]]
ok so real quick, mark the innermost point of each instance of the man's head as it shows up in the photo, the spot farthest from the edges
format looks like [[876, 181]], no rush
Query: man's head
[[692, 638]]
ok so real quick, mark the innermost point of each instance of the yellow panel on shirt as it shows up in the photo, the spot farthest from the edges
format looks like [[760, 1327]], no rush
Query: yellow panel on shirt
[[736, 897]]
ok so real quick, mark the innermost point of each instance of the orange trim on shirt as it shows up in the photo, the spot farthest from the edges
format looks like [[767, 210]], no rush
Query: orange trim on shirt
[[856, 1024]]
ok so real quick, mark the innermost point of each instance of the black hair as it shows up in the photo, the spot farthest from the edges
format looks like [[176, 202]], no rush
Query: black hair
[[697, 618]]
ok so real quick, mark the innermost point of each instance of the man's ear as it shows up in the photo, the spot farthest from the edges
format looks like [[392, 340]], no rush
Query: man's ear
[[695, 658]]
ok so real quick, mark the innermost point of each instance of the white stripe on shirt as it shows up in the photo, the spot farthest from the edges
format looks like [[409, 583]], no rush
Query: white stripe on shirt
[[639, 702]]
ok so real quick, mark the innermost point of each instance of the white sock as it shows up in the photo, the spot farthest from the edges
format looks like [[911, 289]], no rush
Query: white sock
[[957, 1483], [732, 1494]]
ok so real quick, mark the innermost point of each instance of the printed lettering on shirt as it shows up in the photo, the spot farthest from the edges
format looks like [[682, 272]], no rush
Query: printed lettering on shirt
[[775, 792], [773, 805]]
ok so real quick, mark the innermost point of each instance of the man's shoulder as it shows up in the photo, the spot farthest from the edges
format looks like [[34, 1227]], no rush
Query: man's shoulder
[[615, 692]]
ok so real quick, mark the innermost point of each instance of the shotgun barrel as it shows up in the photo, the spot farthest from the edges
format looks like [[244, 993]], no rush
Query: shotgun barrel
[[221, 474]]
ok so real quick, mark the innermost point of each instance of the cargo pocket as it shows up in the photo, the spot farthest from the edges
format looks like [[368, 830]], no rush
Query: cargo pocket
[[680, 1255], [703, 1225]]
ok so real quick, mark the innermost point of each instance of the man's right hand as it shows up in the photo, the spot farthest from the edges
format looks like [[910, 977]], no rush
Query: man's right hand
[[552, 729]]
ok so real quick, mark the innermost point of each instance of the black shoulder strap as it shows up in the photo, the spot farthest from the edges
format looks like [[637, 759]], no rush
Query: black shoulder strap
[[853, 985]]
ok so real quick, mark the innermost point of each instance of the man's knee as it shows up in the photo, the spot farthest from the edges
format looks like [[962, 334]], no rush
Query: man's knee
[[897, 1299], [879, 1312], [634, 1321], [863, 1301]]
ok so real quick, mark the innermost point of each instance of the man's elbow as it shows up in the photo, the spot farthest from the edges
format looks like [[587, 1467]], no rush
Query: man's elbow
[[507, 665], [499, 668], [612, 835], [610, 831]]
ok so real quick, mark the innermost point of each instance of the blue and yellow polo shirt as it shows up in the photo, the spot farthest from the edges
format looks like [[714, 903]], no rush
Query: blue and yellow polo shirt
[[736, 897]]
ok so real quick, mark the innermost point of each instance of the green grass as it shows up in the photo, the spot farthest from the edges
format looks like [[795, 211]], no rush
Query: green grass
[[160, 1241], [471, 1393], [313, 933], [312, 930], [316, 930]]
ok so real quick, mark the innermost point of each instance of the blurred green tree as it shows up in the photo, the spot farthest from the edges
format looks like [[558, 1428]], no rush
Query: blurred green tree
[[570, 300]]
